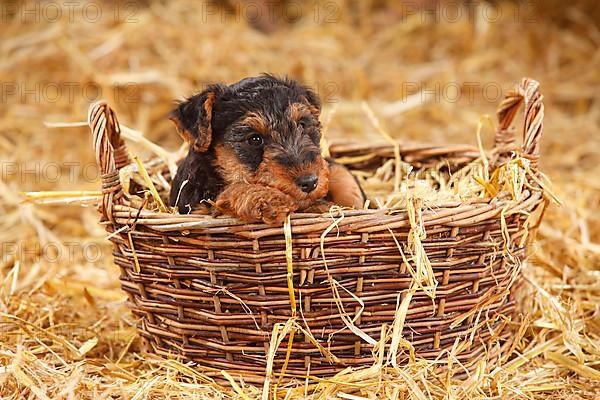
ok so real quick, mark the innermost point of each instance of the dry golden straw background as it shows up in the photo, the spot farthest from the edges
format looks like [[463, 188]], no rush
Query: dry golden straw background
[[65, 331]]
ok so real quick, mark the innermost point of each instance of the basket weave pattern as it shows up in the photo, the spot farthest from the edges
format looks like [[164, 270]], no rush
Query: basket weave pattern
[[212, 289]]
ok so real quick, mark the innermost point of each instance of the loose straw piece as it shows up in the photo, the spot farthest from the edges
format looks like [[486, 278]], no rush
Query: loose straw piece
[[132, 135], [375, 122], [398, 327], [235, 386], [289, 259], [279, 332], [150, 184], [336, 296], [484, 159], [136, 263], [287, 230], [62, 194]]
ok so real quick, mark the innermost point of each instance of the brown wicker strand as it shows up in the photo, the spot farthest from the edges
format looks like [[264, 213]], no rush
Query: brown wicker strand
[[106, 133], [527, 92]]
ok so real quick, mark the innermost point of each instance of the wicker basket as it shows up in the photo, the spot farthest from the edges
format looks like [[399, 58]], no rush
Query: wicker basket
[[214, 290]]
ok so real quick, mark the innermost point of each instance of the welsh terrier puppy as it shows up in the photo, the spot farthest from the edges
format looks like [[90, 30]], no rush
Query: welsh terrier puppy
[[255, 152]]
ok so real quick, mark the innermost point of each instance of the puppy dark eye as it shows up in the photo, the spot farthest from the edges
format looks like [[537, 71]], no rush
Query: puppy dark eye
[[302, 124], [255, 140]]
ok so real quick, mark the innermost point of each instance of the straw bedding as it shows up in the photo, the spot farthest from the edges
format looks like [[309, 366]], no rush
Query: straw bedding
[[66, 331]]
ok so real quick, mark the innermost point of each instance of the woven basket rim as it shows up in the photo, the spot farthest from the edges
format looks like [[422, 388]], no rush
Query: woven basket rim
[[357, 221]]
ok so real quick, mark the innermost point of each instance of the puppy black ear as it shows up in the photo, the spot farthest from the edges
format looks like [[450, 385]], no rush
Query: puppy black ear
[[193, 118]]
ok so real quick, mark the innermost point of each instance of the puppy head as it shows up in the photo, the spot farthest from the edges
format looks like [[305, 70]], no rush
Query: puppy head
[[261, 130]]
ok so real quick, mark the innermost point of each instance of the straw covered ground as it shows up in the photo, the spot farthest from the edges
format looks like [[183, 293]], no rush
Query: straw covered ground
[[65, 331]]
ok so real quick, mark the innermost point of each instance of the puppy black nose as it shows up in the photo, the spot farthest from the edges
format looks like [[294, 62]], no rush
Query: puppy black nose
[[307, 183]]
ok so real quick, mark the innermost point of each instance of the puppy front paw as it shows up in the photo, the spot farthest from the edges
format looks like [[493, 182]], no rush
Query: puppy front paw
[[253, 203], [273, 207]]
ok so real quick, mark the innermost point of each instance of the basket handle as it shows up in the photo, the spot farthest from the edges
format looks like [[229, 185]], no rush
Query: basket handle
[[527, 92], [111, 154]]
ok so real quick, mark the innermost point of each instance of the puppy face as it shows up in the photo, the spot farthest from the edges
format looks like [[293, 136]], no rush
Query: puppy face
[[261, 130]]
